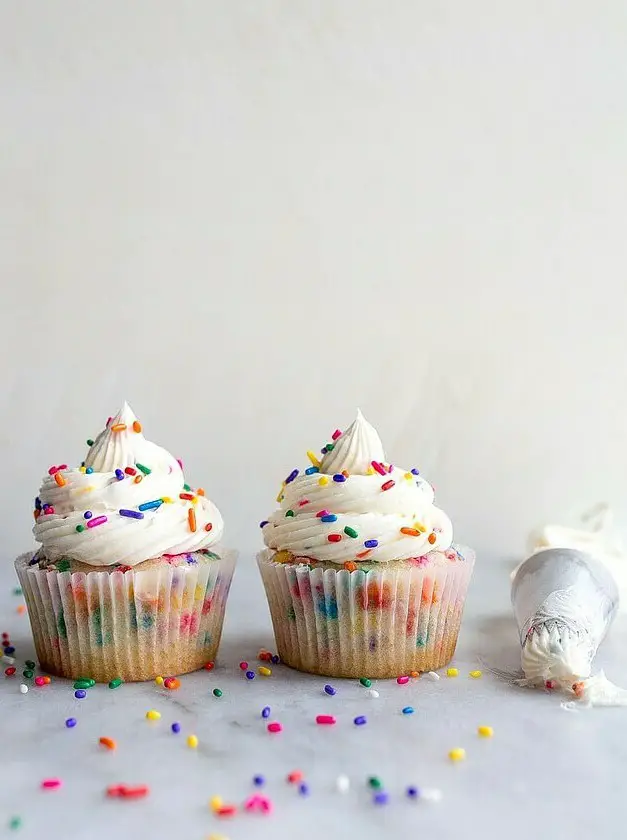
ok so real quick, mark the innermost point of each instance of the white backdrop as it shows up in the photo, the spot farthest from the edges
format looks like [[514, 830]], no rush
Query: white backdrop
[[250, 217]]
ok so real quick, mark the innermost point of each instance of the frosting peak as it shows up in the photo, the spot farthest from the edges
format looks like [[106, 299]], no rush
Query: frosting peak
[[354, 450]]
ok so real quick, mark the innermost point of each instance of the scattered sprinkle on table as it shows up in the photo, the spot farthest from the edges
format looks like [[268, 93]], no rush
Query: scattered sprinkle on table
[[431, 794], [275, 726], [109, 743], [15, 823], [360, 720], [153, 714], [80, 694], [259, 781], [365, 682], [303, 789], [452, 672], [402, 680], [408, 710], [265, 672], [217, 692], [342, 783], [265, 712], [373, 693], [70, 723], [51, 784], [192, 741], [325, 720], [176, 727], [116, 683], [159, 680], [476, 674], [412, 792], [250, 675], [433, 676], [485, 731], [216, 802], [457, 754], [380, 798], [295, 776], [328, 689], [375, 782], [23, 689]]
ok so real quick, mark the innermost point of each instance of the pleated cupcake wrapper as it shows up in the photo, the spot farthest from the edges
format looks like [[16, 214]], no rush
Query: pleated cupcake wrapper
[[378, 623], [135, 624]]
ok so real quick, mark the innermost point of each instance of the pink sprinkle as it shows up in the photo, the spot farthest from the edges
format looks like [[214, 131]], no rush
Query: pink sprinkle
[[62, 467], [53, 470], [258, 803], [275, 727], [109, 419], [377, 466], [40, 681], [322, 513], [390, 468], [327, 720], [99, 520], [303, 502], [49, 510], [243, 666], [50, 784], [179, 462], [402, 680], [336, 434]]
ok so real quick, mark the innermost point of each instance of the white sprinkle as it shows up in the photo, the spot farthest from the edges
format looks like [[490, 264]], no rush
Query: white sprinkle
[[8, 660], [431, 794], [342, 783], [24, 689], [372, 692], [433, 676]]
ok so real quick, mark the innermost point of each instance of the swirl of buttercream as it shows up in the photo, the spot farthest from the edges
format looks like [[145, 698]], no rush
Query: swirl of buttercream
[[374, 513], [127, 503]]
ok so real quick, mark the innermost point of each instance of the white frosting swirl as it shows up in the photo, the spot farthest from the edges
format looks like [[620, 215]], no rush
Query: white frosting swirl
[[97, 489], [371, 524]]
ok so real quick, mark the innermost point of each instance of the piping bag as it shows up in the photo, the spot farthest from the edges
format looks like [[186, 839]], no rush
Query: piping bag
[[565, 597]]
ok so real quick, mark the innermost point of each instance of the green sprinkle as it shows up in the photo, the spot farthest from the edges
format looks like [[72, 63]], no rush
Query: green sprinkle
[[17, 591], [330, 447], [289, 513], [63, 565], [185, 486], [145, 470], [90, 442], [80, 528], [28, 674], [365, 682], [217, 692], [350, 532], [116, 683], [82, 684], [30, 664], [15, 823], [375, 783]]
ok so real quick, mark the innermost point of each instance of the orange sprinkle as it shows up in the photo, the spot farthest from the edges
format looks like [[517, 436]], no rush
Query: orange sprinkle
[[137, 426], [363, 554], [345, 473], [59, 479], [350, 566], [208, 526], [36, 513], [191, 518], [431, 538], [137, 479], [119, 427], [411, 532], [109, 743], [21, 609], [46, 680], [414, 674], [200, 492]]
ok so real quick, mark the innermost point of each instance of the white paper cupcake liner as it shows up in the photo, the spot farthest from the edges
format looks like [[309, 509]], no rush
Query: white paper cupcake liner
[[378, 623], [135, 625]]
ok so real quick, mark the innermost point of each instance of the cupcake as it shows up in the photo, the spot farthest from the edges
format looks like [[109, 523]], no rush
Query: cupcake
[[360, 571], [128, 582]]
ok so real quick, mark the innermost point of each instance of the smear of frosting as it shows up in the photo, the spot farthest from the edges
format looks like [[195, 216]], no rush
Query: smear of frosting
[[127, 503], [352, 505]]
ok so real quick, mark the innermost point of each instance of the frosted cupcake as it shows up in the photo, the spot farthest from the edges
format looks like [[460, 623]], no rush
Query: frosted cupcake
[[125, 584], [360, 571]]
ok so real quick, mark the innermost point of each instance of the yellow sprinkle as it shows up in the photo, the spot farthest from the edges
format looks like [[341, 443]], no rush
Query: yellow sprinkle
[[87, 489], [485, 731], [194, 500], [420, 527], [452, 672], [153, 714], [313, 458], [370, 471], [216, 803], [159, 680], [458, 754], [323, 480], [279, 498], [265, 672], [82, 469], [476, 674], [408, 476], [217, 837], [167, 500], [192, 741]]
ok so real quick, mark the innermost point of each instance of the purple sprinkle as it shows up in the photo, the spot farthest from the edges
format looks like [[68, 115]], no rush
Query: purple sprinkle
[[265, 712], [9, 649], [330, 690], [339, 477], [275, 659], [259, 781], [264, 523], [303, 789], [80, 694], [360, 720], [88, 514], [38, 503], [176, 727], [119, 475], [291, 476], [371, 543], [132, 514], [380, 798], [324, 450], [70, 722], [413, 792], [415, 471], [250, 675]]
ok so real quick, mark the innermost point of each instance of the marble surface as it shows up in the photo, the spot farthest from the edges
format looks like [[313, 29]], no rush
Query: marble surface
[[545, 769]]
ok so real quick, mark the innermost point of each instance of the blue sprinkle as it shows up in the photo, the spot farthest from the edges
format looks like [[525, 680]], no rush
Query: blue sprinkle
[[176, 727], [413, 792], [119, 475], [265, 712], [250, 675], [70, 722], [408, 710], [303, 789], [89, 470], [38, 503], [264, 523], [291, 476], [330, 517], [132, 514], [311, 470], [415, 471], [80, 694], [360, 720], [380, 798], [259, 781], [371, 543], [324, 450], [330, 690], [88, 514], [9, 649], [275, 659], [339, 477], [150, 505]]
